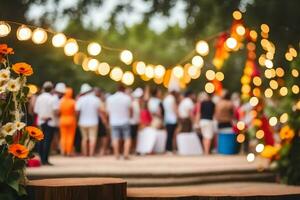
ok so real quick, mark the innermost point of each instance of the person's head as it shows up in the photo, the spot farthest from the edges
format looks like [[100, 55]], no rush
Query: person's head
[[48, 86], [60, 89], [85, 89], [121, 88], [137, 93], [227, 96], [98, 91], [68, 93]]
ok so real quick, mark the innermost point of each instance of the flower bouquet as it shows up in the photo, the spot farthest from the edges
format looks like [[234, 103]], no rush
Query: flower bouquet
[[16, 139]]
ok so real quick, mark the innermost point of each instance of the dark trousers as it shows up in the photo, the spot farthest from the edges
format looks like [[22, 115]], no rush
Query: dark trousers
[[45, 145], [170, 134]]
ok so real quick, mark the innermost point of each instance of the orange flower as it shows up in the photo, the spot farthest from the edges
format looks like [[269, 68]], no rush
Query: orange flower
[[35, 133], [286, 133], [270, 151], [18, 150], [5, 50], [23, 69]]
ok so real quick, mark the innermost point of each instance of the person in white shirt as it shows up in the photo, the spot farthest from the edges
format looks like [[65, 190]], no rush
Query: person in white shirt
[[155, 108], [136, 115], [88, 109], [44, 108], [185, 112], [119, 111], [170, 118]]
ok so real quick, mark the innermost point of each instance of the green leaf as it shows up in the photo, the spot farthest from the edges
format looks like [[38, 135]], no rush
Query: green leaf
[[14, 180], [5, 167], [19, 164]]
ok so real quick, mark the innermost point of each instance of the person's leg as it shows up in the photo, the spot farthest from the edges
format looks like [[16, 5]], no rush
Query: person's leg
[[133, 133], [63, 139], [93, 132], [70, 139], [127, 140], [169, 137], [115, 134], [48, 140], [103, 145], [84, 139], [206, 145], [41, 144]]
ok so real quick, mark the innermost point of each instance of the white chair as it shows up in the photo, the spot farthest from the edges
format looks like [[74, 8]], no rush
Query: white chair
[[189, 144]]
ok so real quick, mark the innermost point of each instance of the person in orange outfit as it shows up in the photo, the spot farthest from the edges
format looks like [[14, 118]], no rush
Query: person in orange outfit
[[67, 122]]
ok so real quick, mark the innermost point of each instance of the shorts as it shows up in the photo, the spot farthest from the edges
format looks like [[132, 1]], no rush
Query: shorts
[[102, 132], [207, 128], [186, 125], [89, 132], [120, 132], [134, 130]]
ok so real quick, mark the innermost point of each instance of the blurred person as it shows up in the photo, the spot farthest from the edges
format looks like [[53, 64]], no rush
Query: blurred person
[[186, 112], [206, 114], [170, 118], [103, 123], [44, 108], [224, 111], [67, 122], [88, 108], [119, 111], [58, 93], [136, 113], [145, 115], [155, 107]]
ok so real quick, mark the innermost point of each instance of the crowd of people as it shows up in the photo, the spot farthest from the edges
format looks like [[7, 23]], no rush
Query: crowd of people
[[99, 123]]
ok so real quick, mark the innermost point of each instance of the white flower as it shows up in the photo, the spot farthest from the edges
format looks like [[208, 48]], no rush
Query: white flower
[[8, 129], [4, 74], [13, 85], [2, 89], [19, 125], [2, 141]]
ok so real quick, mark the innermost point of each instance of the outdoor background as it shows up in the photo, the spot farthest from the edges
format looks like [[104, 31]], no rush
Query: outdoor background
[[156, 31]]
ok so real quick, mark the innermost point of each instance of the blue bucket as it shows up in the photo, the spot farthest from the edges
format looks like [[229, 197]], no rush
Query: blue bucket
[[227, 143]]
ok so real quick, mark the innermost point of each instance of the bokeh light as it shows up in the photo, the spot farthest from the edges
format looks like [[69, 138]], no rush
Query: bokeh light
[[59, 40], [71, 47], [24, 33], [126, 57], [94, 49], [103, 68], [4, 29], [39, 36], [202, 48]]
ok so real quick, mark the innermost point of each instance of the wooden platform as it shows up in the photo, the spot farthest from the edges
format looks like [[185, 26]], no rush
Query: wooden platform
[[220, 191], [158, 170]]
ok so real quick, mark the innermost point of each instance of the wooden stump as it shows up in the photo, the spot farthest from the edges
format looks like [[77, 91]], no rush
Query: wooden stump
[[77, 189]]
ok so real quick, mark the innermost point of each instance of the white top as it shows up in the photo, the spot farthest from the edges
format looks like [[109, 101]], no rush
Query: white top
[[56, 105], [136, 111], [118, 108], [88, 105], [153, 105], [185, 107], [44, 108], [169, 104]]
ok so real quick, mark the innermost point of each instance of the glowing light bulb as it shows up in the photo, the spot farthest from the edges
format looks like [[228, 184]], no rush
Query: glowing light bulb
[[268, 93], [283, 91], [237, 15], [240, 30], [240, 125], [231, 43], [202, 48], [159, 71], [259, 148], [210, 75], [116, 74], [273, 121], [284, 118], [103, 68], [4, 29], [126, 57], [197, 61], [59, 40], [257, 81], [149, 72], [219, 76], [24, 33], [209, 87], [265, 28], [240, 138], [178, 71], [93, 64], [71, 47], [140, 68], [128, 78], [250, 157], [268, 63], [39, 36], [94, 49]]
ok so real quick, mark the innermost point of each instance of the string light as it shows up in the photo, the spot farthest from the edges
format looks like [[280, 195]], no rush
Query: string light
[[209, 87], [259, 148], [194, 72], [254, 101], [210, 75], [219, 76], [140, 68], [295, 73], [24, 33], [283, 91], [197, 61], [265, 28], [240, 125], [159, 71], [59, 40], [4, 29], [149, 72], [295, 89], [257, 81], [250, 157], [94, 49], [268, 93], [273, 121], [237, 15], [128, 78], [116, 74], [273, 84], [240, 30], [284, 118], [231, 43], [39, 36], [259, 134], [93, 64], [240, 138], [279, 72], [178, 71], [268, 63], [103, 68], [126, 57], [71, 47], [202, 48]]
